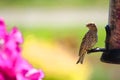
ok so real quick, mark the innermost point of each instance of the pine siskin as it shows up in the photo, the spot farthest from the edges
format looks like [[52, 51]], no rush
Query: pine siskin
[[88, 41]]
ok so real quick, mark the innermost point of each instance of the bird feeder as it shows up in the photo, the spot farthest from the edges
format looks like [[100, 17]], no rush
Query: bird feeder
[[111, 53]]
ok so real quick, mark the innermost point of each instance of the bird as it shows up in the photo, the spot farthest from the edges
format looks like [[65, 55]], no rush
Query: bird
[[88, 41]]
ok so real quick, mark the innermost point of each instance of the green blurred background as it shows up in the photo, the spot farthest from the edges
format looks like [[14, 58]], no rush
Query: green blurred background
[[53, 30]]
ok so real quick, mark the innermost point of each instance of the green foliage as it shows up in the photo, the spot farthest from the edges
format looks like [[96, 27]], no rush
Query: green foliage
[[53, 3], [99, 73], [53, 77]]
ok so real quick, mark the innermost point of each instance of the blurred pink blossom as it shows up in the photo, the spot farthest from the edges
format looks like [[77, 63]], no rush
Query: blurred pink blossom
[[12, 65]]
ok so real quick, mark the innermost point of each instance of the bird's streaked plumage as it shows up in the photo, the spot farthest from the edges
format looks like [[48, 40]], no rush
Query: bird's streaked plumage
[[88, 41]]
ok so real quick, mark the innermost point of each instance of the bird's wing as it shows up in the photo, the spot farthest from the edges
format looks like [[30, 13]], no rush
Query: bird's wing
[[84, 43]]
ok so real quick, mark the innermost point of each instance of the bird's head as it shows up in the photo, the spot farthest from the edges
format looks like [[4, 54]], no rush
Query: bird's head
[[91, 26]]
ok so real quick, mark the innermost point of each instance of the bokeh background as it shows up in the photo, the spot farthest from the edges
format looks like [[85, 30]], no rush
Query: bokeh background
[[53, 30]]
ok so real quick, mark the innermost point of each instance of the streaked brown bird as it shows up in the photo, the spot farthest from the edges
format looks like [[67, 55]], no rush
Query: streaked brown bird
[[89, 40]]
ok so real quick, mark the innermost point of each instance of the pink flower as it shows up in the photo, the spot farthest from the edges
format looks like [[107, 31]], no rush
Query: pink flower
[[12, 65]]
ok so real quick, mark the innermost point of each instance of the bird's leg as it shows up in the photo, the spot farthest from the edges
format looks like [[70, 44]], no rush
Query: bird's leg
[[97, 49]]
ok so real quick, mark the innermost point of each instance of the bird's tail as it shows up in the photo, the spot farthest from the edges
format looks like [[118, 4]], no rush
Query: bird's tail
[[80, 60]]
